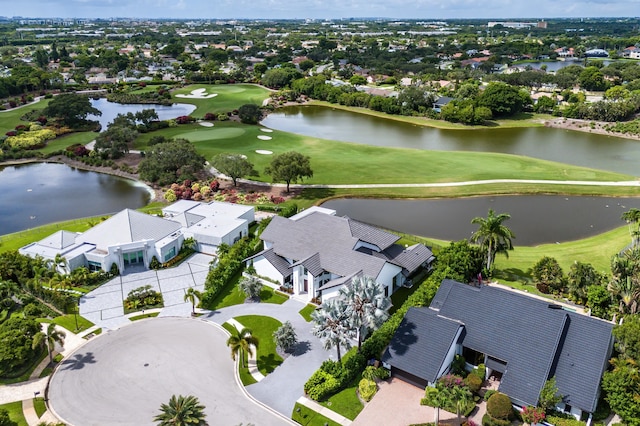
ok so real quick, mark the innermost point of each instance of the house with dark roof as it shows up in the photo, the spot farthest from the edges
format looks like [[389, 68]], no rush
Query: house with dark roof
[[523, 341], [316, 253]]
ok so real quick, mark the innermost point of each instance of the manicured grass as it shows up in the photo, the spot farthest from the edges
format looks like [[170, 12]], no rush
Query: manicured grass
[[346, 402], [15, 412], [9, 119], [231, 295], [245, 377], [362, 164], [66, 140], [306, 312], [26, 372], [230, 97], [143, 316], [400, 295], [306, 416], [69, 322], [39, 406], [269, 295], [263, 327]]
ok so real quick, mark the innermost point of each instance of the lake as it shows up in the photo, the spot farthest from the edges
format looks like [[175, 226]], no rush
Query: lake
[[40, 193], [535, 219], [578, 148], [111, 109]]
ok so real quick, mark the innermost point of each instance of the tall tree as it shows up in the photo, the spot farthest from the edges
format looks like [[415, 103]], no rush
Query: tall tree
[[192, 296], [367, 306], [331, 324], [624, 285], [70, 109], [181, 411], [114, 142], [632, 217], [171, 162], [241, 342], [493, 235], [235, 166], [289, 167], [250, 113], [48, 338]]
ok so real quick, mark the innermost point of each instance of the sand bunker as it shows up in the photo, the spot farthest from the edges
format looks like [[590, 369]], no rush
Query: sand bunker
[[198, 94], [205, 124], [264, 152], [264, 138], [266, 130]]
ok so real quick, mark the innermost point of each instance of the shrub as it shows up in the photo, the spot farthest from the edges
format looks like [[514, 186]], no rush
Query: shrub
[[499, 406], [320, 385], [155, 263], [367, 389], [473, 382], [487, 420], [488, 394], [480, 371], [210, 116], [532, 415], [185, 119], [223, 117], [562, 421]]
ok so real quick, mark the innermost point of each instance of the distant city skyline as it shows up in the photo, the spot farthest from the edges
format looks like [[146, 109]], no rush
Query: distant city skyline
[[320, 9]]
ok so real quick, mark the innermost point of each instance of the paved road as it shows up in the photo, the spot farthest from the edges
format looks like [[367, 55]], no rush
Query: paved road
[[280, 389], [122, 377]]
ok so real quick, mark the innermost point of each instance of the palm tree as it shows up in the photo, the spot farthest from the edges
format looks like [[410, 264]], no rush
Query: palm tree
[[251, 287], [493, 235], [624, 281], [60, 282], [241, 342], [331, 324], [632, 217], [192, 295], [462, 396], [60, 263], [285, 336], [181, 411], [49, 338], [367, 306]]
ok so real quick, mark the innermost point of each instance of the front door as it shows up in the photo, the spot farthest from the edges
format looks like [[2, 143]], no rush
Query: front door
[[306, 285]]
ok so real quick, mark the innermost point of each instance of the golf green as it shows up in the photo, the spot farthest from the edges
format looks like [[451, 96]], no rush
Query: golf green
[[212, 133]]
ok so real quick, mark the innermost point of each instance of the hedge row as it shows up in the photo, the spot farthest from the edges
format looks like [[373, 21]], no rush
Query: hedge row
[[229, 264]]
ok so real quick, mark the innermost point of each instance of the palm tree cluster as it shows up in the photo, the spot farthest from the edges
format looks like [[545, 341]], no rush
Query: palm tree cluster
[[625, 281], [48, 338], [361, 307]]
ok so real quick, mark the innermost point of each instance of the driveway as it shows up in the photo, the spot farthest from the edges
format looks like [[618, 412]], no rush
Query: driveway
[[398, 403], [104, 305], [122, 377]]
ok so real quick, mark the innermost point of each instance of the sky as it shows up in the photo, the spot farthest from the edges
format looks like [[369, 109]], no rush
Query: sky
[[319, 9]]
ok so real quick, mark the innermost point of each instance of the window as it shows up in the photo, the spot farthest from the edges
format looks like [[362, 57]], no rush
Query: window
[[386, 291], [170, 254], [94, 266]]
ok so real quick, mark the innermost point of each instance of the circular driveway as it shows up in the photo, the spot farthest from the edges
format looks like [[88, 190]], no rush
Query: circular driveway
[[122, 377]]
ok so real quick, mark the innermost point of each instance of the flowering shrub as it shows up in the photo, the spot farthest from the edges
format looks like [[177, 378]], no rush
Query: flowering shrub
[[34, 127], [532, 415], [205, 191], [21, 127], [29, 140], [170, 196], [451, 381], [210, 116], [185, 119], [42, 120], [11, 133], [214, 185], [277, 200], [195, 187]]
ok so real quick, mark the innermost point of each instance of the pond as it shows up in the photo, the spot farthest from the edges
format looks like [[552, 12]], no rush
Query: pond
[[571, 147], [40, 193], [534, 219], [111, 109]]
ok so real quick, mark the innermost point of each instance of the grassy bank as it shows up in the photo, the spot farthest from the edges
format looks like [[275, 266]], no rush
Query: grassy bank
[[9, 119]]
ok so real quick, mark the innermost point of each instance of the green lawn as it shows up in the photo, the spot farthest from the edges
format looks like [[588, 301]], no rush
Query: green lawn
[[229, 97], [69, 139], [16, 240], [263, 327], [231, 295], [400, 295], [346, 402], [306, 416], [9, 119], [39, 406], [143, 316], [360, 164], [245, 377], [69, 322], [306, 312], [15, 412]]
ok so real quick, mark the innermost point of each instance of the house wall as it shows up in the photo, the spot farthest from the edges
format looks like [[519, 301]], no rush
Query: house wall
[[330, 293], [574, 411], [366, 245], [176, 244], [454, 350], [264, 268], [385, 277]]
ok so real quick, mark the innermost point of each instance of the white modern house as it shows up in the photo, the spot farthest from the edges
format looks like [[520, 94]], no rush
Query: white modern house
[[131, 238], [316, 253]]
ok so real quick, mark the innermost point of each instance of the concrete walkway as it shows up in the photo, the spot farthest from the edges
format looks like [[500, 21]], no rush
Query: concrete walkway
[[252, 357], [330, 414]]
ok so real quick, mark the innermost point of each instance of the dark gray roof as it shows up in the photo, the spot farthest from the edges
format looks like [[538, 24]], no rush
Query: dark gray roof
[[537, 338], [340, 281], [421, 343], [278, 262], [312, 263], [409, 258], [371, 234], [328, 236]]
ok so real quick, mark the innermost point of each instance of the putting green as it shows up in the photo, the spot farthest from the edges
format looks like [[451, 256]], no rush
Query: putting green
[[212, 133]]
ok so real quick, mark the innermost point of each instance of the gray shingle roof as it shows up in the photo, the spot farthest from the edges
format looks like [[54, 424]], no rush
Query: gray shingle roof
[[409, 258], [59, 240], [371, 234], [328, 236], [536, 338], [278, 262], [421, 343]]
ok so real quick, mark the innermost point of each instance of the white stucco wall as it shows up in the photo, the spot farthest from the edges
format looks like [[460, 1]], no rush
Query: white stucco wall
[[264, 268], [385, 277], [453, 350]]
